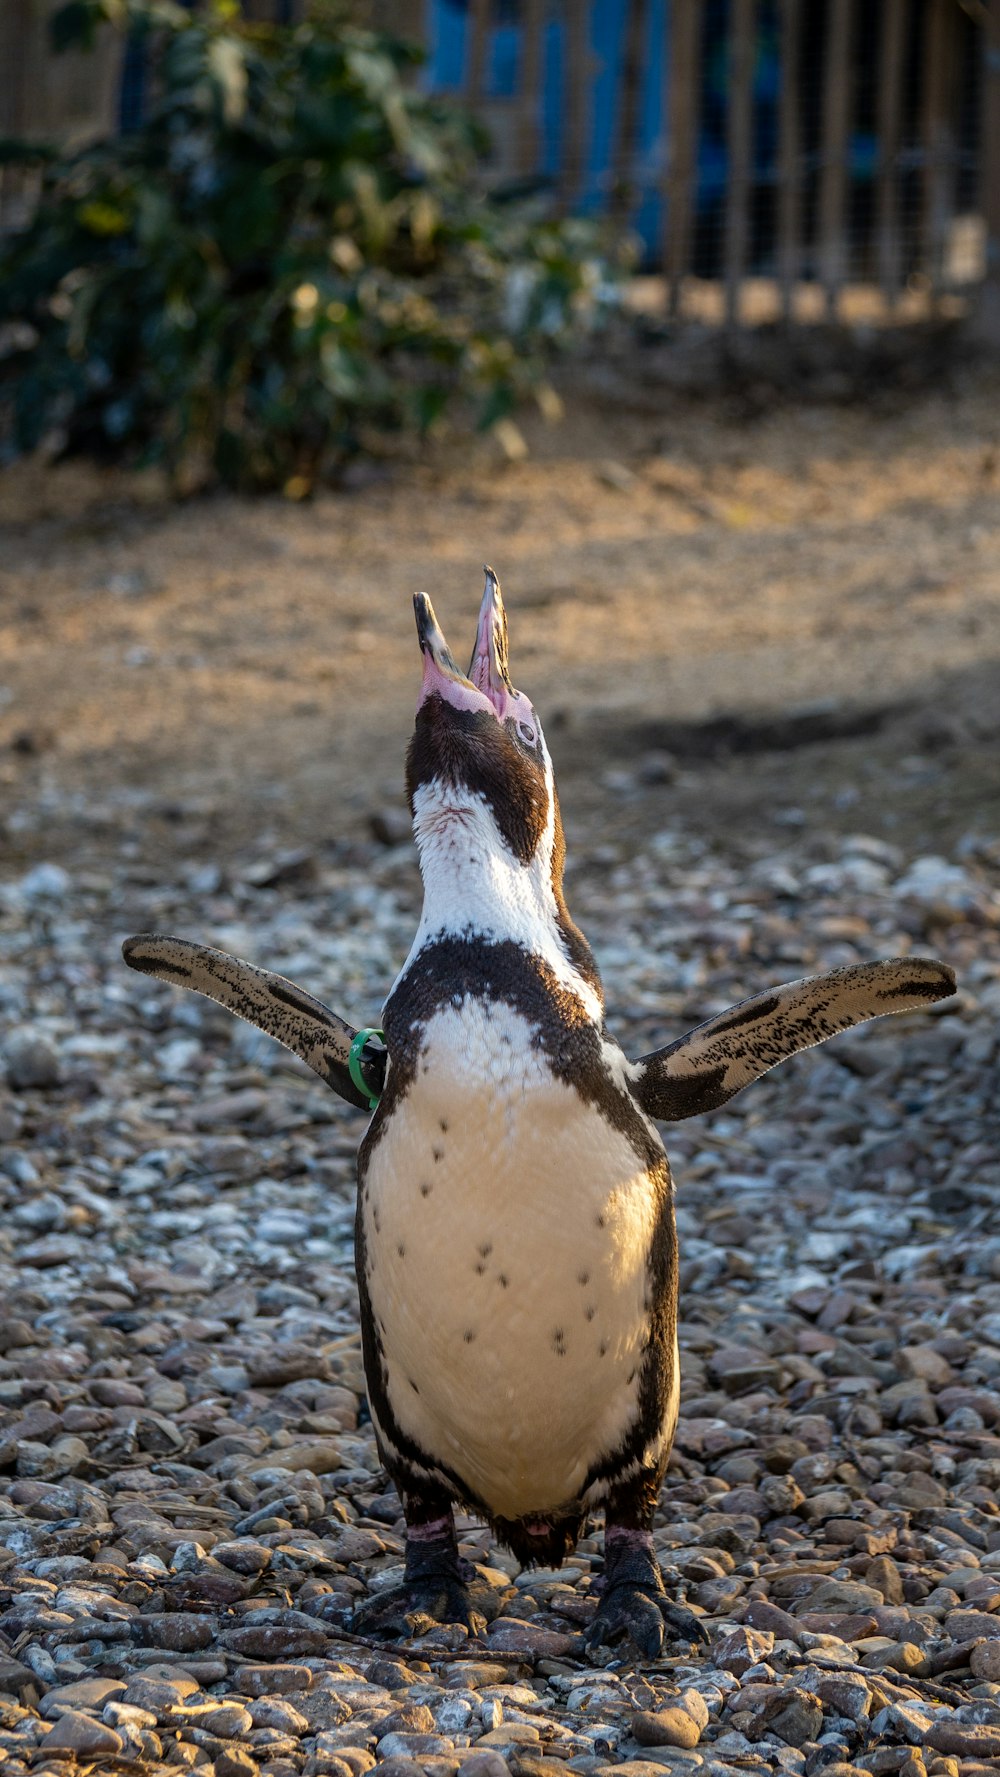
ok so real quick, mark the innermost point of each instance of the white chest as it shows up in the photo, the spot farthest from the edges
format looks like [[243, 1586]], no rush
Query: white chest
[[507, 1228]]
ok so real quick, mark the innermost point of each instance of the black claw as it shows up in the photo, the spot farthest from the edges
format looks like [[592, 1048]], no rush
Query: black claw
[[683, 1624]]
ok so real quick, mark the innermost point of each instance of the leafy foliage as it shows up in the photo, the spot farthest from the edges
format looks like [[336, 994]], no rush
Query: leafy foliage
[[288, 258]]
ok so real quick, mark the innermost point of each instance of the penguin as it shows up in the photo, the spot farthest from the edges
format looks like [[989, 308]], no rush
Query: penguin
[[515, 1236]]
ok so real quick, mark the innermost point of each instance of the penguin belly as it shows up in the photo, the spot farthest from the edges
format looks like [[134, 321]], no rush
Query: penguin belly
[[507, 1231]]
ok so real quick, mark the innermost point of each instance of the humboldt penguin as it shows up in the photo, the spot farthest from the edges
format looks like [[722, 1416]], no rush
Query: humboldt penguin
[[516, 1247]]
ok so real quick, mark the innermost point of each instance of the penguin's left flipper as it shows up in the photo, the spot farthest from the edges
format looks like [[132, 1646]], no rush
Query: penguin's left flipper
[[286, 1012], [712, 1063]]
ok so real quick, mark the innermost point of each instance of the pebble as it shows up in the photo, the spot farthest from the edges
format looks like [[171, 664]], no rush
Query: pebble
[[665, 1727], [31, 1062], [82, 1735], [190, 1494]]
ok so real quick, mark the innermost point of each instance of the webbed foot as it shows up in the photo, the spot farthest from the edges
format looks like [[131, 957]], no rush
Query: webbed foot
[[438, 1587], [402, 1611], [634, 1602]]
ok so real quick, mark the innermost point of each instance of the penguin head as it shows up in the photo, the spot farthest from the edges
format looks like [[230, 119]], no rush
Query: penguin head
[[478, 752]]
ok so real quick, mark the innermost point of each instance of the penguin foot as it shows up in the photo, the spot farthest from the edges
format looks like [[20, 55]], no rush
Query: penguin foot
[[645, 1614], [634, 1602], [406, 1610], [438, 1587]]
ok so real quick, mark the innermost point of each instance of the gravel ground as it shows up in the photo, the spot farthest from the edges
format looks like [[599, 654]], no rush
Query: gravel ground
[[190, 1497]]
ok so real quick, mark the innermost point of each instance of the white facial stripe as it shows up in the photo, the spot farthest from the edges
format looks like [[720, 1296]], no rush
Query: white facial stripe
[[474, 884]]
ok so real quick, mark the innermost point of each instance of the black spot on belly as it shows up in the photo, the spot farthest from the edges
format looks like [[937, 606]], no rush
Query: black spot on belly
[[486, 1249], [589, 1312], [425, 1190], [468, 1335], [443, 1126], [600, 1221], [502, 1279], [583, 1277], [438, 1153], [413, 1385], [559, 1342], [480, 1269], [377, 1219], [602, 1349], [401, 1250]]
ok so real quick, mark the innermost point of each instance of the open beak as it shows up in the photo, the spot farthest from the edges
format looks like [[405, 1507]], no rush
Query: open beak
[[487, 685], [488, 667]]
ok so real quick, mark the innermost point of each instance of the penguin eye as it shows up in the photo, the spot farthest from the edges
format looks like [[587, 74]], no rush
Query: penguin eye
[[527, 733]]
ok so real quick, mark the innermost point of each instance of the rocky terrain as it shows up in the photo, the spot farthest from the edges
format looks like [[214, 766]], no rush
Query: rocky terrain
[[190, 1496], [763, 643]]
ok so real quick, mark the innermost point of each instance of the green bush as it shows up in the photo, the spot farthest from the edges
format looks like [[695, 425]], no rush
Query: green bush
[[290, 258]]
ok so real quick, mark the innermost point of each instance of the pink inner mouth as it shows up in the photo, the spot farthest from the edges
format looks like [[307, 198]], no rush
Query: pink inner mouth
[[488, 669], [487, 683]]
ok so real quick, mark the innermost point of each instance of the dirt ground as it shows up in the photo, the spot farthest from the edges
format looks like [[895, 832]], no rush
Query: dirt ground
[[722, 619]]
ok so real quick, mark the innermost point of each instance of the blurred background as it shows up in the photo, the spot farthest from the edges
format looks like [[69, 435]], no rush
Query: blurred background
[[684, 315], [686, 312]]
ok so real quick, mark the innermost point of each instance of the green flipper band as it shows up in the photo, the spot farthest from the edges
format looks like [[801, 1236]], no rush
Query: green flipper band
[[354, 1061]]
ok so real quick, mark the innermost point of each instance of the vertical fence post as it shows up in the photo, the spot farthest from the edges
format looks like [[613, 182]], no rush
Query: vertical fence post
[[681, 108], [938, 147], [833, 176], [475, 64], [622, 164], [532, 28], [986, 320], [739, 148], [577, 99], [889, 125], [789, 183]]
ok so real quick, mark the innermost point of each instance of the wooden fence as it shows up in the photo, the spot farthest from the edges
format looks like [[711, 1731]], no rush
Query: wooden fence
[[915, 83], [921, 91]]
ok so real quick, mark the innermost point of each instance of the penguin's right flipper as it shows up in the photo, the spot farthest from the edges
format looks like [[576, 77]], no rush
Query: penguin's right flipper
[[708, 1066], [286, 1012]]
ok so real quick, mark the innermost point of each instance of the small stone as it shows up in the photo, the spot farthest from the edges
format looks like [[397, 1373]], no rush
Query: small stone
[[964, 1740], [984, 1661], [848, 1596], [411, 1745], [262, 1681], [179, 1632], [321, 1456], [795, 1716], [158, 1695], [847, 1694], [925, 1363], [969, 1625], [885, 1577], [281, 1640], [243, 1557], [278, 1713], [390, 826], [82, 1734], [513, 1635], [229, 1720], [693, 1704], [235, 1761], [665, 1727], [31, 1062], [86, 1693], [742, 1648], [483, 1764]]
